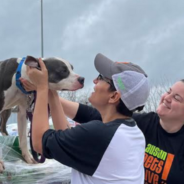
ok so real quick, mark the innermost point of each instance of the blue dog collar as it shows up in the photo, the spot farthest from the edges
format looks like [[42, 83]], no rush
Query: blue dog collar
[[18, 75]]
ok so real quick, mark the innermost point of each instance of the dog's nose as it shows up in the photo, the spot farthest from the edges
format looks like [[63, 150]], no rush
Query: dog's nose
[[81, 80]]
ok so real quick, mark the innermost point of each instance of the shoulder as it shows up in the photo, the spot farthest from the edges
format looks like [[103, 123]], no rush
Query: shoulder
[[86, 113], [146, 120], [144, 116]]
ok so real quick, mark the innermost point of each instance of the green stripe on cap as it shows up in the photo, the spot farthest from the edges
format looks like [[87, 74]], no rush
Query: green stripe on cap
[[120, 84]]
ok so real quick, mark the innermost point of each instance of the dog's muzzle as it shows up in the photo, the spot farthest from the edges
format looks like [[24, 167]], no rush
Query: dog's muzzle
[[81, 80]]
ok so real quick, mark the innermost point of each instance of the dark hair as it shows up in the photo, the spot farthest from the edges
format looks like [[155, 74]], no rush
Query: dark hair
[[121, 107], [182, 80]]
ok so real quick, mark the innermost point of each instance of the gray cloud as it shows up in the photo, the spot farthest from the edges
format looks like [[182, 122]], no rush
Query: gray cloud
[[149, 33]]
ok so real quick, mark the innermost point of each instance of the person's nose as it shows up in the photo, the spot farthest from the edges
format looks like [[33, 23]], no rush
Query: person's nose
[[95, 81], [168, 97]]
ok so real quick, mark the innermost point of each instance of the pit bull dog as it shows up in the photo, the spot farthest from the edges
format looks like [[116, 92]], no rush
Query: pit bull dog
[[60, 77]]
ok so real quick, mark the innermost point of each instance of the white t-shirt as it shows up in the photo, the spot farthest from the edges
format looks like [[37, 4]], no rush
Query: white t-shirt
[[99, 153]]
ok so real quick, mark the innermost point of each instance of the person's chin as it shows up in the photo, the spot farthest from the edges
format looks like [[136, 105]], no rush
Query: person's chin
[[160, 111], [89, 99]]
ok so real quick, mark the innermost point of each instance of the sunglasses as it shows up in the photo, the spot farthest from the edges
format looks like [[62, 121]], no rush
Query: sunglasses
[[101, 77]]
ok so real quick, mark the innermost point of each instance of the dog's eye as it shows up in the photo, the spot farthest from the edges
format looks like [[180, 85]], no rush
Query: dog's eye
[[65, 69]]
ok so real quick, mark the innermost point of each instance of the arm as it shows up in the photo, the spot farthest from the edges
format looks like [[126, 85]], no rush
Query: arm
[[70, 108], [79, 112], [59, 119], [40, 121]]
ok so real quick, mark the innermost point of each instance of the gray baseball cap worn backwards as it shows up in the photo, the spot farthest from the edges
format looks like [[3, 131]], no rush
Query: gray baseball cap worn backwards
[[129, 79]]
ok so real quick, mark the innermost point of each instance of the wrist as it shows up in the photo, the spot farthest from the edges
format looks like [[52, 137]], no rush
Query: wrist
[[53, 93], [42, 88]]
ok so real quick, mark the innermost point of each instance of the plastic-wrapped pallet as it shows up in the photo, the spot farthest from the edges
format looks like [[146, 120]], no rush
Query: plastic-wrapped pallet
[[19, 172]]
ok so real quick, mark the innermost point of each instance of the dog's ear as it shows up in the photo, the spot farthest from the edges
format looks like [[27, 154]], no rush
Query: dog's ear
[[33, 62]]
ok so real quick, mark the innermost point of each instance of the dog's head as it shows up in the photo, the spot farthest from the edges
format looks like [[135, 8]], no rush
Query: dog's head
[[60, 73]]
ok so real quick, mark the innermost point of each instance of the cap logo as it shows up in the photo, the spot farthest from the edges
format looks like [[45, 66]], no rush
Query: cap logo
[[120, 84]]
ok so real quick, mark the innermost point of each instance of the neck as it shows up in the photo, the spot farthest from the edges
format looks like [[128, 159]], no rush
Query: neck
[[171, 127], [111, 114], [24, 72]]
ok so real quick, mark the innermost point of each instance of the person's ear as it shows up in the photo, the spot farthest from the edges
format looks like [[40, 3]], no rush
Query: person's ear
[[115, 97]]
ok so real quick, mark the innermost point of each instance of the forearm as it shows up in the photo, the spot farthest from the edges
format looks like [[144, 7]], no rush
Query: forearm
[[59, 119], [70, 108], [40, 119]]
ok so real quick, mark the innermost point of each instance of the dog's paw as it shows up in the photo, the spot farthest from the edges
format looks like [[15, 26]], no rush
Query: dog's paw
[[2, 168], [29, 159]]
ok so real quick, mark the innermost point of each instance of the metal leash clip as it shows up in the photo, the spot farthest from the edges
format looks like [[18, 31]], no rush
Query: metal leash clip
[[30, 102]]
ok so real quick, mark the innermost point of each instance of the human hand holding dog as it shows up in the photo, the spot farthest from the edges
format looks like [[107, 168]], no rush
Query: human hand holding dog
[[28, 86], [39, 78]]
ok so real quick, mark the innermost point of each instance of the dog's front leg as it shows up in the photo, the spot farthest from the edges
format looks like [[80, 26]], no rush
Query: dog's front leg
[[22, 131], [1, 166]]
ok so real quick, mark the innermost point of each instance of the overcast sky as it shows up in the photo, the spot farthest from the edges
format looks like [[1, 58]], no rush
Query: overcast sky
[[149, 33]]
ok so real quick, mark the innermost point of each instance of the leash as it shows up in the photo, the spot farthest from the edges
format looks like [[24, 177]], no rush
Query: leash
[[29, 112], [39, 158]]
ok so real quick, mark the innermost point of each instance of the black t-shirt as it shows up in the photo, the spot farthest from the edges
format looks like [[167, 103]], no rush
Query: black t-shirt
[[164, 154]]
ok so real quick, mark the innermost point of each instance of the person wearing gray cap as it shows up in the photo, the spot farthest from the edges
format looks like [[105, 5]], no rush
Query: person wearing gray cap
[[109, 150]]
